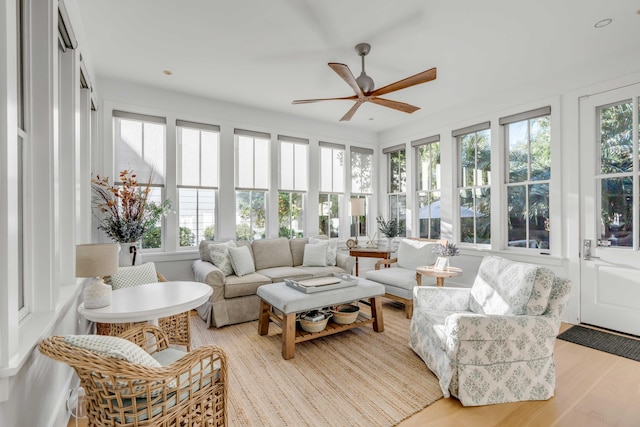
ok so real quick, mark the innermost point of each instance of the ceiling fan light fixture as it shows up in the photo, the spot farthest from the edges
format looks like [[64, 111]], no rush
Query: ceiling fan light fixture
[[365, 82]]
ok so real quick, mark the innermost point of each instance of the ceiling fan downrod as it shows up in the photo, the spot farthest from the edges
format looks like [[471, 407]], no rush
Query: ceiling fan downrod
[[364, 81]]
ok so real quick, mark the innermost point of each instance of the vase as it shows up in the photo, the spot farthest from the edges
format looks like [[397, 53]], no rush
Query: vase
[[389, 243], [129, 254]]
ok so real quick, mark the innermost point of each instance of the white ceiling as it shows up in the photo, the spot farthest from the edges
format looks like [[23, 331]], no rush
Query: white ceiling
[[266, 53]]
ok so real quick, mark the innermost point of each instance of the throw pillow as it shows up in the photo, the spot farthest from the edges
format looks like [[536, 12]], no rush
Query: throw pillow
[[128, 277], [118, 348], [332, 248], [502, 287], [415, 253], [219, 254], [242, 261], [315, 255]]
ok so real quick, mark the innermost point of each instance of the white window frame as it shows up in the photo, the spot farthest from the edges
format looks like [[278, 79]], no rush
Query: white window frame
[[366, 195], [459, 134], [430, 188], [397, 213], [200, 127], [527, 183], [118, 116], [297, 188]]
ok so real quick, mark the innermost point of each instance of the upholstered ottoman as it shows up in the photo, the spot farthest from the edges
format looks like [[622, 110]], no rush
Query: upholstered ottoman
[[280, 303]]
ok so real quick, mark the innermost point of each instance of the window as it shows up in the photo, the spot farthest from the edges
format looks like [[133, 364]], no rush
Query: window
[[331, 187], [22, 139], [198, 147], [361, 185], [293, 185], [252, 183], [428, 187], [528, 144], [397, 184], [474, 183], [140, 146]]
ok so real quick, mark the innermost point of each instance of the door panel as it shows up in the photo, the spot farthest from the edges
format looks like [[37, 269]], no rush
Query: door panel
[[610, 277]]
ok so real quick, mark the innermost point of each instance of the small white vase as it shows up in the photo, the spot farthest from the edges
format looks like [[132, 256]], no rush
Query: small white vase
[[129, 254], [389, 243]]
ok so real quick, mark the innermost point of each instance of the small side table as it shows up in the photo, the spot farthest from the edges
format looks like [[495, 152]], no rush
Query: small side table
[[369, 253], [440, 275]]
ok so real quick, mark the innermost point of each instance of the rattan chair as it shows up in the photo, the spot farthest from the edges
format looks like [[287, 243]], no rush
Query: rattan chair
[[191, 391], [176, 327]]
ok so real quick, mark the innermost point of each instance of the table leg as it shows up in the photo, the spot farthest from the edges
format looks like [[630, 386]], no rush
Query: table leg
[[263, 320], [288, 336], [419, 279], [357, 271], [439, 281], [376, 313]]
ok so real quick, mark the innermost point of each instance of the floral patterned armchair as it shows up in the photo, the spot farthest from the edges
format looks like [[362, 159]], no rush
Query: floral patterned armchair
[[492, 343]]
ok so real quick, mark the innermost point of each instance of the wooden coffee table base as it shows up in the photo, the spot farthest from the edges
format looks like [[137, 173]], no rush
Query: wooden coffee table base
[[291, 336]]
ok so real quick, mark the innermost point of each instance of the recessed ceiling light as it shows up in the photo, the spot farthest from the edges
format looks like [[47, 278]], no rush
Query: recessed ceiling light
[[603, 23], [370, 118], [167, 72]]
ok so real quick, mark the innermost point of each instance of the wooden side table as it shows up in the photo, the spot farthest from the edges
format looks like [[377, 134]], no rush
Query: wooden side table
[[369, 253], [440, 275]]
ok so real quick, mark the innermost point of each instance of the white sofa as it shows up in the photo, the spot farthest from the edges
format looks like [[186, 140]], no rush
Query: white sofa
[[492, 343], [234, 298]]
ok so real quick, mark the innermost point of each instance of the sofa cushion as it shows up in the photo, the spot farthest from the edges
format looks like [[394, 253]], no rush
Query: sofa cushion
[[315, 255], [219, 254], [332, 249], [241, 260], [135, 275], [416, 253], [243, 286], [502, 287], [278, 274], [542, 285], [297, 249], [272, 253]]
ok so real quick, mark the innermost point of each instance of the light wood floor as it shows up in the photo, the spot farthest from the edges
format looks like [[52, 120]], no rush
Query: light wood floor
[[593, 388]]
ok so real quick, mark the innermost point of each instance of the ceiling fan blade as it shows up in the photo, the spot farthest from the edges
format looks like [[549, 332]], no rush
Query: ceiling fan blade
[[343, 71], [396, 105], [423, 77], [351, 112], [308, 101]]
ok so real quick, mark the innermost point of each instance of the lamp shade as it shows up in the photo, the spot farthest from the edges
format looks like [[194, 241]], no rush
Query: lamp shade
[[357, 207], [96, 259]]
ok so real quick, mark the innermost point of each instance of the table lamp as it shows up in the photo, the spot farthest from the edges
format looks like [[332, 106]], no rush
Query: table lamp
[[357, 210], [97, 260]]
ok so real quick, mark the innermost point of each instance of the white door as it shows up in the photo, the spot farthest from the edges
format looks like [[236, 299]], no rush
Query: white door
[[609, 187]]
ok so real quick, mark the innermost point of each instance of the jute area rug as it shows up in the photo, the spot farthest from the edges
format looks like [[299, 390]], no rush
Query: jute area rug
[[355, 378]]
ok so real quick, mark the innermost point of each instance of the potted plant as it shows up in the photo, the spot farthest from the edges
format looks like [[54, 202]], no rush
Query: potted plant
[[447, 250], [390, 229], [125, 213]]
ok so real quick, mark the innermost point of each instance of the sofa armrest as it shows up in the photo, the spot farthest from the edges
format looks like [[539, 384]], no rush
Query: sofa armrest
[[441, 298], [208, 273], [346, 262], [473, 327], [386, 262]]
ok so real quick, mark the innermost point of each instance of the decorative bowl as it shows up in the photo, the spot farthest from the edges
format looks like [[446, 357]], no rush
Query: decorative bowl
[[344, 314]]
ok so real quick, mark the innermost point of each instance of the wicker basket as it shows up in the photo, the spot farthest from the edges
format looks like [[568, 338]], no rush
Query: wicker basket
[[344, 314], [314, 326]]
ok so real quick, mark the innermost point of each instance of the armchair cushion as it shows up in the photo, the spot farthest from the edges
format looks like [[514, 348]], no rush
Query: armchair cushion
[[112, 347], [401, 278], [416, 253], [502, 287], [136, 275]]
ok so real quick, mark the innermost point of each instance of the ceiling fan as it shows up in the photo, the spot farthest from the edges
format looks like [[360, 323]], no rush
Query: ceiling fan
[[364, 88]]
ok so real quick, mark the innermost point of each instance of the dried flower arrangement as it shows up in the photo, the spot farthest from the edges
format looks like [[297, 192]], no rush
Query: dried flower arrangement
[[447, 250], [124, 212]]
